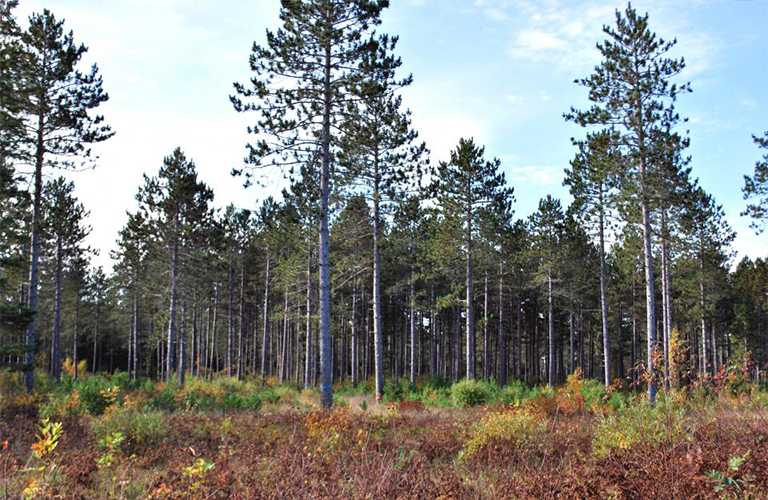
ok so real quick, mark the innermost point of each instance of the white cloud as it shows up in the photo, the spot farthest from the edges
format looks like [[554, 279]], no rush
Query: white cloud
[[514, 99], [540, 41], [535, 175]]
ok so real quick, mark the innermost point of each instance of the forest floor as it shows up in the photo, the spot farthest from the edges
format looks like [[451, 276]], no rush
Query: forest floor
[[144, 443]]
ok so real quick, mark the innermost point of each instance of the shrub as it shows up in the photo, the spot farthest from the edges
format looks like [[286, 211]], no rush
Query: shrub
[[515, 392], [140, 429], [470, 393], [393, 391], [640, 423], [511, 427]]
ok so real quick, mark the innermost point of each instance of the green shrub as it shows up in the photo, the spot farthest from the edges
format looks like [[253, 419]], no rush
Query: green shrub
[[141, 429], [515, 392], [270, 396], [514, 427], [470, 393], [640, 423], [393, 391], [435, 382]]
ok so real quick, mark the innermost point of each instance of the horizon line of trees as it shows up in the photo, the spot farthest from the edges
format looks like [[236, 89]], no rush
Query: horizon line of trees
[[374, 263]]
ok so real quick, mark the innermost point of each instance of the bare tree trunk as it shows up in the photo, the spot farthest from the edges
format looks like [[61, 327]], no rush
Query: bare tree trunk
[[284, 343], [76, 332], [603, 296], [432, 332], [551, 332], [309, 352], [378, 347], [174, 298], [326, 393], [470, 302], [650, 296], [354, 340], [265, 331], [56, 351], [413, 330], [231, 316], [183, 344], [702, 304], [241, 325], [665, 294], [486, 344], [502, 341], [29, 375]]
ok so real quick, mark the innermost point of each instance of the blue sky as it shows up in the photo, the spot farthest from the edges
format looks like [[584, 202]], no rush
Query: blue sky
[[500, 71]]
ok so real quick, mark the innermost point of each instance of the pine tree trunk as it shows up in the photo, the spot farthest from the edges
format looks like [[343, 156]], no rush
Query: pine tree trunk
[[284, 341], [502, 341], [432, 332], [174, 298], [241, 324], [650, 297], [702, 303], [326, 394], [56, 358], [486, 344], [75, 334], [354, 340], [29, 375], [470, 301], [665, 294], [183, 344], [412, 320], [550, 331], [265, 331], [231, 317], [603, 296], [378, 347], [309, 352]]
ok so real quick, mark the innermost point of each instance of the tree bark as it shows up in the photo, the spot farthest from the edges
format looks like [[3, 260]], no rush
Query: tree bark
[[56, 361]]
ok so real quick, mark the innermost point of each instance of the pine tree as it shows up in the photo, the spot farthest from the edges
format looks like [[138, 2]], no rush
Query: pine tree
[[466, 186], [64, 227], [321, 48], [631, 91], [177, 206], [592, 179], [547, 229], [756, 187], [57, 101]]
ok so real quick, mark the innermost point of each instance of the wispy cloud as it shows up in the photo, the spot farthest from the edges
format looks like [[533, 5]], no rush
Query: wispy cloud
[[535, 175]]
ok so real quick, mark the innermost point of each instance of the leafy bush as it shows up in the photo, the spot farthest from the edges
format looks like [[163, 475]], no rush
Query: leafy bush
[[510, 427], [470, 393], [141, 429], [640, 423], [515, 392], [393, 391]]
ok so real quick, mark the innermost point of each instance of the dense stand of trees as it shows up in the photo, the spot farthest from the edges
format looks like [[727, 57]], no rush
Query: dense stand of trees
[[372, 264]]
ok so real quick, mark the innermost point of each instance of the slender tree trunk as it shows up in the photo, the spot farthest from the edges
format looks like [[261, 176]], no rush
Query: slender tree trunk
[[354, 340], [174, 299], [650, 296], [241, 325], [486, 343], [502, 364], [551, 331], [603, 296], [412, 321], [470, 301], [183, 344], [29, 375], [432, 331], [665, 294], [702, 304], [76, 333], [377, 322], [231, 316], [326, 394], [284, 343], [56, 361], [309, 352], [265, 331]]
